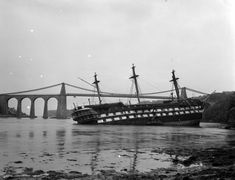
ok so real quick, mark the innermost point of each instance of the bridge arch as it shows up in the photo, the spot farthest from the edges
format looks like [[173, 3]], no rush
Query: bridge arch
[[19, 105], [52, 105], [12, 105], [26, 103], [38, 104]]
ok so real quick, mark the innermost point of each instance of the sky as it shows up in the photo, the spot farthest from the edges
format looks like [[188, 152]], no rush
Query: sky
[[47, 42]]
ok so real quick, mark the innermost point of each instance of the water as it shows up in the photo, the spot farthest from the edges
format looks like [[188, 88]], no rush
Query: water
[[63, 145]]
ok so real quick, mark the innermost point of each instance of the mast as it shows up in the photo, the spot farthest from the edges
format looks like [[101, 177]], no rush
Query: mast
[[134, 76], [174, 80], [96, 82]]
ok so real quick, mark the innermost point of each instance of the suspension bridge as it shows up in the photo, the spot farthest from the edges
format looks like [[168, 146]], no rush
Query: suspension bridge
[[61, 111]]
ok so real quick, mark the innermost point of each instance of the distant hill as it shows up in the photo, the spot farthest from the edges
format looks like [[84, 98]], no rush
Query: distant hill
[[12, 112], [220, 107]]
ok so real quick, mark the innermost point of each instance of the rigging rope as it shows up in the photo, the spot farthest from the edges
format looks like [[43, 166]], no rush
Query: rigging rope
[[85, 89], [86, 82], [80, 87], [152, 84], [93, 97], [131, 91]]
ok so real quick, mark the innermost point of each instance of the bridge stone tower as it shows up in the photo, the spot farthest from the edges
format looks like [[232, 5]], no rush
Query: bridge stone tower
[[3, 105], [183, 93], [62, 104]]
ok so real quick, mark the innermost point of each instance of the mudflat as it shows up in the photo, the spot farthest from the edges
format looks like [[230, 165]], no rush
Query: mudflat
[[210, 163]]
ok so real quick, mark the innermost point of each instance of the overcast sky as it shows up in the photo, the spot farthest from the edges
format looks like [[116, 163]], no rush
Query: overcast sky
[[44, 42]]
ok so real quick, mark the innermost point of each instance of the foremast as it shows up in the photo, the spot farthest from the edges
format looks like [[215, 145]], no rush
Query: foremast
[[96, 82], [174, 80], [134, 76]]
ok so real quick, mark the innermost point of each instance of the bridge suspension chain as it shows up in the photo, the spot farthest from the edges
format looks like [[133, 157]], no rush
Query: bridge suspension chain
[[20, 92], [93, 91], [158, 92], [196, 91], [174, 90]]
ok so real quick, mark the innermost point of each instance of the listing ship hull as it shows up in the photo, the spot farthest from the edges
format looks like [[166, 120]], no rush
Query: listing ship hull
[[159, 122], [180, 112], [169, 114]]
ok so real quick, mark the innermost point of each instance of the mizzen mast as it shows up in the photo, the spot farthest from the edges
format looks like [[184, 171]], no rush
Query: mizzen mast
[[96, 82], [174, 80], [134, 76]]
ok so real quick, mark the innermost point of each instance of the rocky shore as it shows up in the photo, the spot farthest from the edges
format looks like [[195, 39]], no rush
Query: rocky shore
[[211, 163]]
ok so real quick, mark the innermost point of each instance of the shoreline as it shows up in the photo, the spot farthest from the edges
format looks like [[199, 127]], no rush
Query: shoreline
[[210, 163]]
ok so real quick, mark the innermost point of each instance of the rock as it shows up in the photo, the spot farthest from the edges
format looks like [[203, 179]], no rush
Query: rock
[[47, 154], [71, 160], [189, 161], [18, 162], [187, 178], [74, 172], [28, 171], [38, 172]]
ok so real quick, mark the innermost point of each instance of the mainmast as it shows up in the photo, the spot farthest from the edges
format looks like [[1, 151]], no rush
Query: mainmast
[[134, 76], [174, 80], [96, 82]]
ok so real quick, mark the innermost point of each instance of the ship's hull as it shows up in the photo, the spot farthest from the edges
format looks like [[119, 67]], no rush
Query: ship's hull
[[186, 120], [173, 114], [147, 121], [194, 122], [145, 117]]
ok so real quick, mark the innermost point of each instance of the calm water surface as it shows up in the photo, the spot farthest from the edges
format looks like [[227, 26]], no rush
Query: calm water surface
[[63, 145]]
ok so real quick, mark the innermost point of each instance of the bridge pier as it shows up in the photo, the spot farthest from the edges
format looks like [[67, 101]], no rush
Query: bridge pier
[[62, 104], [19, 111], [45, 111], [3, 105], [183, 93], [32, 110]]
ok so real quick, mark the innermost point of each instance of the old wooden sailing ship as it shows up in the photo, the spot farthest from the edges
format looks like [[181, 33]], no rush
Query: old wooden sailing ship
[[179, 112]]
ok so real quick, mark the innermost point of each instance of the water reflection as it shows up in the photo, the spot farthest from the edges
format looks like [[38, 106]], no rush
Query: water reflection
[[44, 134], [18, 135], [31, 134], [60, 138], [95, 153], [137, 138], [3, 138]]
